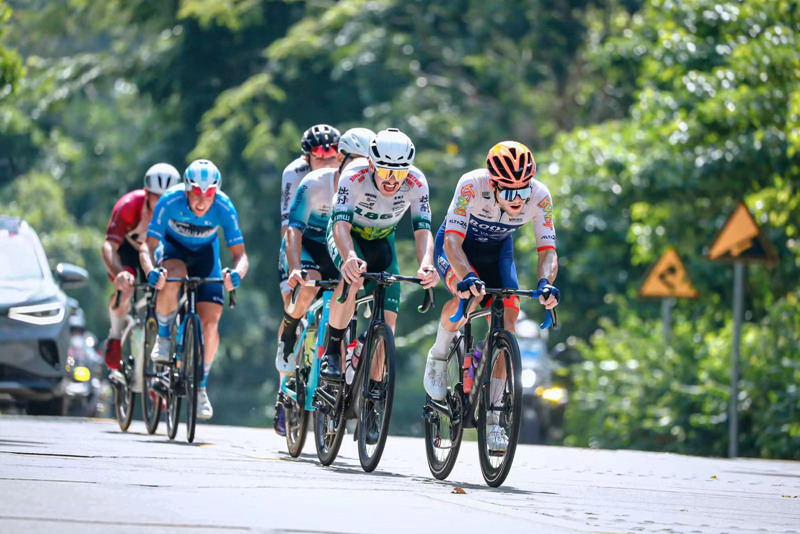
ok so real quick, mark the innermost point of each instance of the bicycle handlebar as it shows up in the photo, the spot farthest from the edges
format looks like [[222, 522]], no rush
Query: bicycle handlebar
[[389, 279], [550, 317]]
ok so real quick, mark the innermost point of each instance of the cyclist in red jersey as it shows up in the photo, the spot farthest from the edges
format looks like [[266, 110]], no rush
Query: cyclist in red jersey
[[126, 231]]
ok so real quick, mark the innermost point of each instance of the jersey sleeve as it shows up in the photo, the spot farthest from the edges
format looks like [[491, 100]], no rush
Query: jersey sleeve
[[123, 220], [289, 182], [420, 202], [301, 207], [543, 220], [160, 218], [344, 200], [457, 218], [230, 223]]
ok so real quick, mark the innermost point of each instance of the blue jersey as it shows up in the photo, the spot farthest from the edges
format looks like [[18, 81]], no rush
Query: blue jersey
[[174, 218]]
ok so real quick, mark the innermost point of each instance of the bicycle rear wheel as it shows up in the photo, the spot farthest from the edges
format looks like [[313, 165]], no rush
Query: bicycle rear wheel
[[151, 402], [443, 434], [375, 411], [329, 424], [124, 397], [500, 408], [296, 414], [193, 360]]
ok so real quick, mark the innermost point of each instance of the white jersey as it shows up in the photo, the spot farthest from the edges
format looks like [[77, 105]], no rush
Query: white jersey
[[374, 216], [292, 174], [475, 215], [313, 204]]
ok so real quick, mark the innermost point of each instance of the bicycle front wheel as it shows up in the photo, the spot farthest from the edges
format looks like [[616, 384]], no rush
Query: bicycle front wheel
[[375, 411], [192, 358], [151, 402], [173, 400], [442, 433], [124, 396], [500, 409]]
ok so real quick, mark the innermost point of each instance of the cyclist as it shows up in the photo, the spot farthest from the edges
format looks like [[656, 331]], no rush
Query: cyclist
[[304, 245], [475, 246], [371, 198], [318, 145], [124, 235], [186, 220]]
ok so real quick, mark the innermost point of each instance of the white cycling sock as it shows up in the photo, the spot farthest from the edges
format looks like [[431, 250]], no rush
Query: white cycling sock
[[115, 332], [497, 387], [443, 339], [165, 323]]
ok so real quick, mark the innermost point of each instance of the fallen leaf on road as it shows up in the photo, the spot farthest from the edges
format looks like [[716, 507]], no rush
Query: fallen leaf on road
[[458, 491], [788, 496], [684, 510], [714, 477]]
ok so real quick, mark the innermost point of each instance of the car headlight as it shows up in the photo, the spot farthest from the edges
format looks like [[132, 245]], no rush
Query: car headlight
[[38, 314], [528, 378], [555, 394]]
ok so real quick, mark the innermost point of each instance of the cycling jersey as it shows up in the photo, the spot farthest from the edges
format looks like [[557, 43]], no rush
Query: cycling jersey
[[174, 218], [129, 219], [313, 204], [292, 175], [475, 214], [372, 215]]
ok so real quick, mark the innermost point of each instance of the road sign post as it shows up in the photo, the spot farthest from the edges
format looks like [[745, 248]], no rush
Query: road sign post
[[740, 241]]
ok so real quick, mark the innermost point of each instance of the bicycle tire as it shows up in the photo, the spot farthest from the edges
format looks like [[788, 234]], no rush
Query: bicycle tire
[[173, 401], [151, 402], [193, 357], [328, 441], [296, 414], [381, 334], [124, 397], [441, 467], [510, 419]]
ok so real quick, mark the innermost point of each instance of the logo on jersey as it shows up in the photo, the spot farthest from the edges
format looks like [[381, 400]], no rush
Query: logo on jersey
[[547, 206], [412, 180], [467, 194], [191, 230], [359, 176]]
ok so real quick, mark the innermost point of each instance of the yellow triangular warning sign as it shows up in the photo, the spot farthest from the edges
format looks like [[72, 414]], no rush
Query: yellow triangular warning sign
[[742, 240], [668, 279]]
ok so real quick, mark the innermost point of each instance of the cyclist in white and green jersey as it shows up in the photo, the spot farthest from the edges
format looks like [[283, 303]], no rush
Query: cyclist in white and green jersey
[[372, 196]]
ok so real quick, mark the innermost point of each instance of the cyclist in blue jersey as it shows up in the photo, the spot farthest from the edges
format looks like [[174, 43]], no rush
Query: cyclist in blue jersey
[[304, 247], [475, 247], [186, 219]]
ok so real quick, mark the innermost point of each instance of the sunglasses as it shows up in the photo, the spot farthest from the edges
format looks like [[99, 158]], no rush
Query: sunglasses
[[322, 152], [207, 193], [384, 173], [511, 194]]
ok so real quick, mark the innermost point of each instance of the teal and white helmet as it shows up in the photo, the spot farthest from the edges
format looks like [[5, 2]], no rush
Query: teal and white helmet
[[203, 174]]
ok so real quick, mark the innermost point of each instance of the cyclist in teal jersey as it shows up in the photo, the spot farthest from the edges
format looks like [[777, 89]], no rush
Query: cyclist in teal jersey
[[304, 247], [371, 198]]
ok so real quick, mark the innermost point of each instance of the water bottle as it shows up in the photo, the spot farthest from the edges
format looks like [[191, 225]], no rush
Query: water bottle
[[353, 355], [471, 363]]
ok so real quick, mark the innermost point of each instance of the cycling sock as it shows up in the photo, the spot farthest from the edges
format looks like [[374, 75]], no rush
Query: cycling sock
[[115, 332], [335, 335], [206, 370], [443, 339], [497, 387], [165, 323], [289, 334]]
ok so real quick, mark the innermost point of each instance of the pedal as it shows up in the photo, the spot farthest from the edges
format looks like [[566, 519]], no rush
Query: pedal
[[160, 388], [117, 379]]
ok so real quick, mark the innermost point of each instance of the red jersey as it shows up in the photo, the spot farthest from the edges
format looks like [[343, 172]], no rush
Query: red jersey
[[129, 219]]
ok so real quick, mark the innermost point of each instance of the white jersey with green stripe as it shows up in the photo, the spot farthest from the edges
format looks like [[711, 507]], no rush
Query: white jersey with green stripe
[[292, 174], [372, 215], [313, 204]]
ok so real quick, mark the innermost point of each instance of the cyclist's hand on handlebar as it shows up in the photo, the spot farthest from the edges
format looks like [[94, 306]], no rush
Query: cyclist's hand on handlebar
[[124, 281], [552, 293], [157, 278], [295, 277], [428, 275], [469, 286], [352, 269], [231, 279]]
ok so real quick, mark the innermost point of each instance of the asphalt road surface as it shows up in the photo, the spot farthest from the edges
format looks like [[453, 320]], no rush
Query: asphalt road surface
[[76, 475]]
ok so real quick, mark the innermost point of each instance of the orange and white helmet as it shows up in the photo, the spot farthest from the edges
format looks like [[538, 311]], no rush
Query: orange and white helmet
[[511, 163]]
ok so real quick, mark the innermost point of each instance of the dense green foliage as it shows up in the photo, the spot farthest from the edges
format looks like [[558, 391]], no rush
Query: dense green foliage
[[649, 121]]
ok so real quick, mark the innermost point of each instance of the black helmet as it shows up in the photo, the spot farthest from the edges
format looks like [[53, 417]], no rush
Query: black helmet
[[322, 135]]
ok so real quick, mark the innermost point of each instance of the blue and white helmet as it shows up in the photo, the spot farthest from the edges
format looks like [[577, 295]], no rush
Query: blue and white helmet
[[203, 174]]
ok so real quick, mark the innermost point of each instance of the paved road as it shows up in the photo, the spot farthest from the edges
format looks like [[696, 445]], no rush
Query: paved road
[[74, 475]]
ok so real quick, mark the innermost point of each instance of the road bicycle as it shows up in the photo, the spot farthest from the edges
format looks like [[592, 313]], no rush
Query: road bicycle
[[471, 401], [369, 398]]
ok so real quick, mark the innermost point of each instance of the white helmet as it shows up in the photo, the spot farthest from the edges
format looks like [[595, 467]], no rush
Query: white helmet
[[161, 177], [391, 148], [203, 174], [355, 142]]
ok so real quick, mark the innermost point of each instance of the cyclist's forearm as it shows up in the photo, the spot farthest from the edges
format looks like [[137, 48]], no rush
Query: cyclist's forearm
[[455, 255], [111, 258], [294, 248], [548, 265], [343, 239], [146, 254], [424, 245], [241, 264]]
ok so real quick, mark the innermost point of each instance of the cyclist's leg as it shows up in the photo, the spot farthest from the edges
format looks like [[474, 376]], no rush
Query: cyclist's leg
[[508, 276], [382, 256], [130, 260]]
